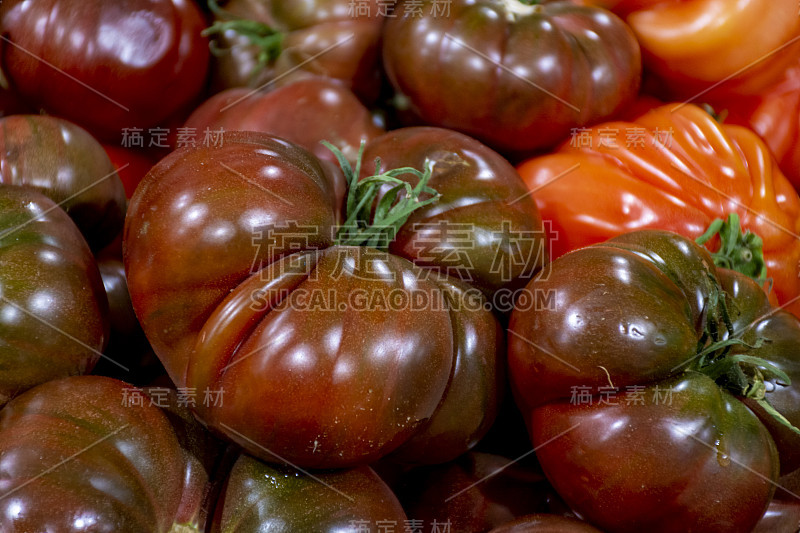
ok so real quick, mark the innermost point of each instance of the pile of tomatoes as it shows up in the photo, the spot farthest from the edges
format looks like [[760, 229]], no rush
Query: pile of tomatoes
[[387, 266]]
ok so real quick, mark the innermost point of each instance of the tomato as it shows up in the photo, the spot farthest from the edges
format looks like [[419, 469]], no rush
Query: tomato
[[485, 229], [645, 314], [543, 523], [476, 492], [694, 45], [756, 320], [773, 113], [53, 314], [304, 112], [673, 168], [104, 65], [131, 166], [65, 163], [234, 274], [260, 497], [264, 42], [515, 76], [75, 457], [782, 516]]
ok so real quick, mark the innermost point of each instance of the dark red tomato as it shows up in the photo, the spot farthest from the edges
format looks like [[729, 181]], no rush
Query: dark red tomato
[[518, 77], [65, 163], [131, 165], [755, 318], [544, 523], [485, 229], [75, 456], [104, 65], [476, 492], [333, 38], [304, 112], [53, 308], [782, 516], [633, 402], [11, 103], [317, 348], [260, 497]]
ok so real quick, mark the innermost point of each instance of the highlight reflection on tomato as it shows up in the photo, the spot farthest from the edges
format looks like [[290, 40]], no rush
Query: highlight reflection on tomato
[[641, 326], [324, 357], [673, 168]]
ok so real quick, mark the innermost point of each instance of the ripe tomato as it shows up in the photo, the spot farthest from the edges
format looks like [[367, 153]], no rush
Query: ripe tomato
[[304, 112], [258, 496], [76, 457], [675, 169], [517, 77], [54, 312], [645, 314], [133, 164], [66, 164], [694, 45], [260, 42], [773, 113], [485, 229], [104, 65], [233, 271]]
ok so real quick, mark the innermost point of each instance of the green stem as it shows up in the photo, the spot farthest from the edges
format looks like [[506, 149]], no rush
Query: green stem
[[375, 225], [268, 40], [739, 251]]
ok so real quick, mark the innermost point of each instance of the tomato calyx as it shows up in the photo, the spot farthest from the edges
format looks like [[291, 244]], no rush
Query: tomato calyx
[[268, 40], [739, 251], [377, 226]]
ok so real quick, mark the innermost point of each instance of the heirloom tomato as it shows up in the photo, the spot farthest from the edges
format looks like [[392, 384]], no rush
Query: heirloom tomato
[[476, 492], [66, 164], [261, 42], [329, 352], [104, 65], [516, 76], [673, 168], [304, 112], [74, 456], [484, 229], [696, 46], [53, 308], [773, 113], [260, 497], [637, 381]]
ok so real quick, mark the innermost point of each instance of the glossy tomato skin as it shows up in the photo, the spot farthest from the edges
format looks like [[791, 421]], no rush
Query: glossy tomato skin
[[484, 229], [261, 497], [202, 220], [782, 516], [141, 60], [339, 354], [692, 45], [65, 163], [476, 492], [126, 475], [332, 38], [640, 449], [673, 168], [753, 319], [561, 66], [655, 328], [131, 165], [686, 464], [773, 113], [54, 311], [304, 112]]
